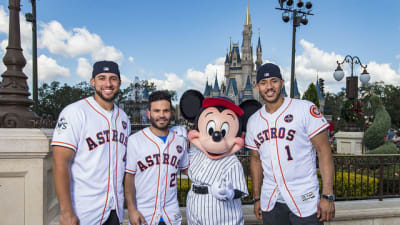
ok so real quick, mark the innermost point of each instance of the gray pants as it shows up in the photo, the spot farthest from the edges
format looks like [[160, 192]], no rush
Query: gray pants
[[281, 215]]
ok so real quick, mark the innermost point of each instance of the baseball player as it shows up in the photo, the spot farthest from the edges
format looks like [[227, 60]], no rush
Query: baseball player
[[284, 136], [89, 145], [154, 157]]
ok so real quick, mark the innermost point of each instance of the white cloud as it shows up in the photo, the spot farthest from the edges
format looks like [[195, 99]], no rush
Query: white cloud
[[315, 61], [74, 43], [48, 69], [125, 80], [173, 82], [84, 68], [397, 56], [198, 79], [131, 59], [3, 20]]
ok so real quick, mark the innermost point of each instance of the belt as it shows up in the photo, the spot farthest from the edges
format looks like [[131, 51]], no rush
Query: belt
[[198, 189]]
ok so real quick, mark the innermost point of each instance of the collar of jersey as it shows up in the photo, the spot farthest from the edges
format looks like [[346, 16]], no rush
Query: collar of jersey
[[99, 108], [277, 112], [155, 138]]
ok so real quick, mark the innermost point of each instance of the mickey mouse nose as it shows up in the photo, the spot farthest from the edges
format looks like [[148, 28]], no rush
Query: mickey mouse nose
[[217, 136]]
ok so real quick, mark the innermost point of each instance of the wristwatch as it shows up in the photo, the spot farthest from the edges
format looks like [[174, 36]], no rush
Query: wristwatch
[[329, 197], [255, 200]]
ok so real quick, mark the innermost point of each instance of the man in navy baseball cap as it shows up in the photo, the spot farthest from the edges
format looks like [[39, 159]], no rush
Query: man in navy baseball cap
[[105, 67], [268, 70]]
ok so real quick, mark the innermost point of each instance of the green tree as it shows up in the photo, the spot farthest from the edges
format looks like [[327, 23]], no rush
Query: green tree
[[53, 97], [311, 94], [389, 96]]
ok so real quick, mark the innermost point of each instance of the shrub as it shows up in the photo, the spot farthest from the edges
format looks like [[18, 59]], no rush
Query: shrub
[[387, 148], [355, 185], [375, 134]]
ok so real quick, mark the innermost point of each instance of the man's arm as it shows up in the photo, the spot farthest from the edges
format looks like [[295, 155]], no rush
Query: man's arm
[[256, 177], [135, 217], [62, 158], [326, 209]]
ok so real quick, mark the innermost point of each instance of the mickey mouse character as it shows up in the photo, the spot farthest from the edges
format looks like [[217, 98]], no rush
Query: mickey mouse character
[[218, 181]]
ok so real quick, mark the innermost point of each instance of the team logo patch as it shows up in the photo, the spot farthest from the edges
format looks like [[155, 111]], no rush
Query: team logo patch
[[124, 124], [266, 74], [62, 124], [315, 111], [288, 118], [179, 149], [106, 68], [308, 196]]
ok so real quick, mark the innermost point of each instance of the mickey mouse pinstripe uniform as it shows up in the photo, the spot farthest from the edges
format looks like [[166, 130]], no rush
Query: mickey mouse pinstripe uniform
[[203, 209]]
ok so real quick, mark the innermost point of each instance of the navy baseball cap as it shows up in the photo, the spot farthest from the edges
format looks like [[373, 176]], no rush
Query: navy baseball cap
[[268, 70], [105, 67]]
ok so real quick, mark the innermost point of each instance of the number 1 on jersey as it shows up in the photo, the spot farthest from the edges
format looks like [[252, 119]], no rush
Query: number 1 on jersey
[[289, 155]]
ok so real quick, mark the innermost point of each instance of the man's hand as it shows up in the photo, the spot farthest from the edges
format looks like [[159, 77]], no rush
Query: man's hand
[[68, 218], [257, 210], [136, 218], [326, 210]]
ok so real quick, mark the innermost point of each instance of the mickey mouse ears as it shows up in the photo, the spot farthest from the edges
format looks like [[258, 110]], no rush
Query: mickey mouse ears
[[249, 107], [190, 104]]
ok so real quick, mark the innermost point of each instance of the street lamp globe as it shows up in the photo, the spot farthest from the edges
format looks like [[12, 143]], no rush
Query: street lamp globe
[[364, 77], [338, 74]]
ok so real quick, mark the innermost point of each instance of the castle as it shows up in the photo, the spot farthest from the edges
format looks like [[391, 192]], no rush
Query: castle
[[240, 69]]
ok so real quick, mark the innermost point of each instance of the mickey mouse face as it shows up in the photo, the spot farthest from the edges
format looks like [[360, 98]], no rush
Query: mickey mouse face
[[217, 131]]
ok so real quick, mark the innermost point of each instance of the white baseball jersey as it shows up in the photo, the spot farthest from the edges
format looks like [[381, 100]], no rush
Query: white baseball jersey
[[99, 139], [155, 165], [287, 154], [202, 209]]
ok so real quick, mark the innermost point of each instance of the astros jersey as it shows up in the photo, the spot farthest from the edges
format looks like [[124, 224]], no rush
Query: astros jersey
[[205, 208], [155, 165], [288, 157], [99, 140]]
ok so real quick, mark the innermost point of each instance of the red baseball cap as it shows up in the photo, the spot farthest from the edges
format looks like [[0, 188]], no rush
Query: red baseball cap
[[221, 101]]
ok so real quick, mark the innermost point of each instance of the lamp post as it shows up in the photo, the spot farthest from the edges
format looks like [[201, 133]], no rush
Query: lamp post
[[352, 86], [31, 17], [352, 80], [299, 16]]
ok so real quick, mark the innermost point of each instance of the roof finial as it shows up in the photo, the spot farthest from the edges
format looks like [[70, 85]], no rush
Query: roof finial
[[248, 20]]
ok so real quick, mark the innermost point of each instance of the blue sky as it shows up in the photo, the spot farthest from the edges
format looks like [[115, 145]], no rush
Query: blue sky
[[179, 44]]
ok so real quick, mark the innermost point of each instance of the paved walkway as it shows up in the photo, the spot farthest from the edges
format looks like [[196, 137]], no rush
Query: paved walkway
[[369, 212]]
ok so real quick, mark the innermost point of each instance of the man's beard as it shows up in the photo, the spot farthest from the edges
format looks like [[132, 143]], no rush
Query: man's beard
[[154, 124], [111, 99], [278, 96]]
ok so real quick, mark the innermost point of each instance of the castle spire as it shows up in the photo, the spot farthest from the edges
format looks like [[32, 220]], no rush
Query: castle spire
[[248, 20]]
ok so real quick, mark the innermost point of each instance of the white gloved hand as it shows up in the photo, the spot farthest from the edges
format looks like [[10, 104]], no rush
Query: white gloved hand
[[222, 190], [180, 131]]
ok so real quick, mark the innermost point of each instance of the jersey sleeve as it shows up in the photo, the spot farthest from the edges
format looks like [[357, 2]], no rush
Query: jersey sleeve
[[184, 163], [131, 156], [250, 141], [314, 121], [235, 175], [68, 128]]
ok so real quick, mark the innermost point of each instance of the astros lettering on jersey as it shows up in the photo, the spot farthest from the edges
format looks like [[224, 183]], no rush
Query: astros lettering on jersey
[[99, 140], [288, 156], [155, 165]]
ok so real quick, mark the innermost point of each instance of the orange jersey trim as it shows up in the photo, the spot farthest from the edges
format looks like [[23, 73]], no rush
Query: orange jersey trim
[[166, 181], [158, 180], [279, 161], [133, 171], [317, 130], [64, 143], [109, 156]]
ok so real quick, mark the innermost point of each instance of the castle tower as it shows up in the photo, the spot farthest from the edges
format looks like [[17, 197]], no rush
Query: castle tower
[[247, 51]]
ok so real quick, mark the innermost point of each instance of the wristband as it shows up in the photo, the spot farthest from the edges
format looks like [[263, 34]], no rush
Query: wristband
[[255, 200]]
